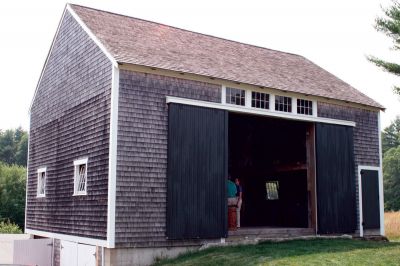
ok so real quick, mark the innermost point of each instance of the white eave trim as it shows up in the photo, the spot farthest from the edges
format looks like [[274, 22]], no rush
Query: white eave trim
[[87, 30], [91, 35], [249, 110], [76, 239]]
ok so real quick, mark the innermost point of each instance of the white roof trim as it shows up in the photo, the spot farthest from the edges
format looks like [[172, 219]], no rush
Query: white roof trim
[[249, 110], [91, 35], [87, 30]]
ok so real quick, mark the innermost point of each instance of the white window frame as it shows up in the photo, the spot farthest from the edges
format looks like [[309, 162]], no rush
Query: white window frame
[[292, 110], [246, 95], [312, 106], [272, 94], [39, 183], [78, 163]]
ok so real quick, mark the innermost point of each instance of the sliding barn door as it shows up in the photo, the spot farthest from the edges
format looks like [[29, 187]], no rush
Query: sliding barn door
[[197, 171], [336, 179]]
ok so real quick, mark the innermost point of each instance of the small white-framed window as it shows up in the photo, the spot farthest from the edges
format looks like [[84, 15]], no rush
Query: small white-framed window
[[304, 107], [272, 189], [283, 104], [235, 96], [80, 177], [41, 182], [259, 100]]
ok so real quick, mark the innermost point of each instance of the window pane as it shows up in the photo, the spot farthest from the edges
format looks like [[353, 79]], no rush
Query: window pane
[[235, 96], [260, 100], [283, 104], [304, 107], [272, 188], [80, 178]]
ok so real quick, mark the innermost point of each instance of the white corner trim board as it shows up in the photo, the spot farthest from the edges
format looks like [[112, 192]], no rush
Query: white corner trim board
[[91, 35], [249, 110], [77, 239], [381, 193], [360, 206], [112, 159]]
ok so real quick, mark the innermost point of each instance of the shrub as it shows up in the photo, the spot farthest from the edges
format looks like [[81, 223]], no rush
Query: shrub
[[7, 227]]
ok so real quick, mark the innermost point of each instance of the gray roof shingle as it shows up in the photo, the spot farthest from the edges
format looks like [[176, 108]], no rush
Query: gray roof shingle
[[140, 42]]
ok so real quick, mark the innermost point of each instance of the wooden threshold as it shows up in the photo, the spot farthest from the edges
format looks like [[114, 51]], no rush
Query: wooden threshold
[[271, 232]]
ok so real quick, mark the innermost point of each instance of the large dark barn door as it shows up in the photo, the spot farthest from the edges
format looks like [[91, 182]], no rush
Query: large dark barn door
[[370, 199], [335, 179], [197, 171]]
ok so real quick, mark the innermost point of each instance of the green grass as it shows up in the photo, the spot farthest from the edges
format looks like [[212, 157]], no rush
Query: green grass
[[297, 252]]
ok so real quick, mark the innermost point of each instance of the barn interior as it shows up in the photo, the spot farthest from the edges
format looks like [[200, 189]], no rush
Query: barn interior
[[269, 156]]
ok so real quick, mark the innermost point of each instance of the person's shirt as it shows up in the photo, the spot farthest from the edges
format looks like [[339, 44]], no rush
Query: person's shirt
[[231, 189], [238, 190]]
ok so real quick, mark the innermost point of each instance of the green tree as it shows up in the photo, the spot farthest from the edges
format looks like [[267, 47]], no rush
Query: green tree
[[391, 136], [12, 193], [391, 178], [14, 146], [389, 25]]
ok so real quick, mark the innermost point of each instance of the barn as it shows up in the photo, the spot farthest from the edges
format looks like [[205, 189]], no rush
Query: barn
[[135, 127]]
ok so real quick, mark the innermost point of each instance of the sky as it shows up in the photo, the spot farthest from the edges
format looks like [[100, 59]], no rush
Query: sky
[[336, 35]]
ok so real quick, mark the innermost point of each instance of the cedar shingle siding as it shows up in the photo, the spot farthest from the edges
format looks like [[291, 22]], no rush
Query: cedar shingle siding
[[142, 153], [70, 119]]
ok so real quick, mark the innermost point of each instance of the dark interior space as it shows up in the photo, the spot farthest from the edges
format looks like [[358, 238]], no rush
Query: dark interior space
[[269, 156]]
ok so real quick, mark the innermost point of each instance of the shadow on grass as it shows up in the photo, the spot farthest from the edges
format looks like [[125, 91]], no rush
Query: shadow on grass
[[255, 254]]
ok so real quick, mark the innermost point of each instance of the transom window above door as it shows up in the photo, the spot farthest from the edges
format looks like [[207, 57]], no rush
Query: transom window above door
[[235, 96]]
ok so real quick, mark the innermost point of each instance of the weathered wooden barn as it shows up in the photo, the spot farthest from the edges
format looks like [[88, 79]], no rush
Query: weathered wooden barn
[[135, 126]]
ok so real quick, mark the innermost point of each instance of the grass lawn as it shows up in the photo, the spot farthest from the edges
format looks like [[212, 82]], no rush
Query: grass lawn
[[297, 252]]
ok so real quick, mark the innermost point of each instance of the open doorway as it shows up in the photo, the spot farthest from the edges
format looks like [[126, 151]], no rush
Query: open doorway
[[273, 158]]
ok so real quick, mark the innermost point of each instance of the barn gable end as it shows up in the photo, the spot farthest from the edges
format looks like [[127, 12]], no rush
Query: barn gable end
[[70, 120]]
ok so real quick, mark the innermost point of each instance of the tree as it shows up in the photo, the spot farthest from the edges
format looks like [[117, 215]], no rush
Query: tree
[[12, 193], [14, 146], [391, 177], [389, 25], [391, 136]]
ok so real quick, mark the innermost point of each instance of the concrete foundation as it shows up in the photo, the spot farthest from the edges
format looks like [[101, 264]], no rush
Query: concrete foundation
[[141, 256]]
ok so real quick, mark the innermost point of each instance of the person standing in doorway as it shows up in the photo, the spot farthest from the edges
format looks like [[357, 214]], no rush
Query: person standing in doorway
[[232, 192], [239, 195]]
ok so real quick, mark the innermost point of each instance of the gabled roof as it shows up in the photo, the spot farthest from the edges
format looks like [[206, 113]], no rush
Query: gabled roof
[[140, 42]]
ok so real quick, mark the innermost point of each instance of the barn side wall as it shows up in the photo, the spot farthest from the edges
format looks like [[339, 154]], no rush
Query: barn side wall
[[142, 154], [366, 135], [70, 119]]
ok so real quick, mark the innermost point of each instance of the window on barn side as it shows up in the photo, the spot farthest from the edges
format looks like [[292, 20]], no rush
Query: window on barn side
[[304, 107], [80, 177], [235, 96], [41, 182], [283, 103], [259, 100], [272, 188]]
